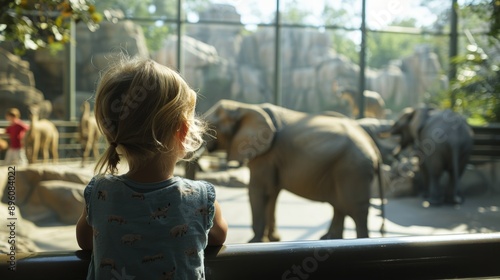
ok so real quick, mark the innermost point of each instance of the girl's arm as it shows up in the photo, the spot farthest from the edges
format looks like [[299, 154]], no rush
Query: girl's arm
[[218, 232], [84, 232]]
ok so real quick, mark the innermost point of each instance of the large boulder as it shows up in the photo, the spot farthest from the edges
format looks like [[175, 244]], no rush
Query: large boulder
[[21, 230], [64, 198], [50, 194], [15, 233]]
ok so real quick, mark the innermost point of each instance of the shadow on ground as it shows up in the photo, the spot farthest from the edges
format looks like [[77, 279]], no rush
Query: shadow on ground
[[479, 213]]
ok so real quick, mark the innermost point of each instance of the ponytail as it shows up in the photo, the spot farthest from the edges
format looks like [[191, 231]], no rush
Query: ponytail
[[108, 163]]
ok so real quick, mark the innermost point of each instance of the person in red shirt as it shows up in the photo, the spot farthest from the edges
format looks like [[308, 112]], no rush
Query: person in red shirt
[[16, 154]]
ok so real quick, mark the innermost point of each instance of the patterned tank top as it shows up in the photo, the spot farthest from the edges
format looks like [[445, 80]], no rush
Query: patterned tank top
[[148, 231]]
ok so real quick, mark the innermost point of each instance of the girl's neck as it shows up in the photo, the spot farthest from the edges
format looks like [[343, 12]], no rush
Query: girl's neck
[[154, 170]]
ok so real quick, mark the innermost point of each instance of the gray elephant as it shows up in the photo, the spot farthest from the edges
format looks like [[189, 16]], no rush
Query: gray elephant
[[443, 142], [385, 143], [322, 157]]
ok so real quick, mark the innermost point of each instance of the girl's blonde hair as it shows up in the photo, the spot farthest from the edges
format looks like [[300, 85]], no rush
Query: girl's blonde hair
[[140, 107]]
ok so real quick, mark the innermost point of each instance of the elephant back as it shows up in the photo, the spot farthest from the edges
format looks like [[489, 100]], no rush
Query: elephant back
[[327, 138], [446, 126]]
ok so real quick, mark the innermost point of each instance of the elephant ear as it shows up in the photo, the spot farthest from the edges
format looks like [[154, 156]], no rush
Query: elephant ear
[[254, 134], [417, 121]]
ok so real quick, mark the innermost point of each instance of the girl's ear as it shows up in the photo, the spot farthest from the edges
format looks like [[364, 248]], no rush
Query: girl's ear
[[182, 132]]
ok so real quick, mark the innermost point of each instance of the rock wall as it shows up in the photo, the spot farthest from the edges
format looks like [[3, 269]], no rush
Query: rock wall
[[95, 49], [46, 193], [17, 86], [242, 67], [225, 61], [44, 196], [38, 78]]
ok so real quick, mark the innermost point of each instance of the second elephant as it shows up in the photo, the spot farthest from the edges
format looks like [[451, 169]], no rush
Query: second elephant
[[320, 157], [443, 143]]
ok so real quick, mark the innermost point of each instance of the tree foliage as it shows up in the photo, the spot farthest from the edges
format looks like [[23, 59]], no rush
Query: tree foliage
[[476, 87], [384, 47], [341, 42], [33, 24], [30, 24]]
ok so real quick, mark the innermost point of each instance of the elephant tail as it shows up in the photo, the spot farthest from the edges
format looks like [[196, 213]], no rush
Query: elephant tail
[[381, 194]]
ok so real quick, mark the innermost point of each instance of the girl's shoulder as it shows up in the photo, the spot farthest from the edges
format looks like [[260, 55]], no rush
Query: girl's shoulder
[[101, 178], [200, 186], [103, 181], [98, 182], [197, 184]]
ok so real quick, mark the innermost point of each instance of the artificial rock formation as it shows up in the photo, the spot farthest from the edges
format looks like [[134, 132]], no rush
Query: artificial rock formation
[[49, 194], [220, 62], [17, 86], [224, 61]]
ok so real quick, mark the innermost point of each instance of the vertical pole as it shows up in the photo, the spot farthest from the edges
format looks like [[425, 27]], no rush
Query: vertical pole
[[277, 57], [453, 47], [362, 65], [69, 75], [180, 67]]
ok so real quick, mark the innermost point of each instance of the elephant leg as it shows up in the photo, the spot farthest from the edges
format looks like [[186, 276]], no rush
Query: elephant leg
[[436, 195], [436, 192], [272, 233], [336, 229], [453, 192], [452, 195], [424, 187], [361, 220], [258, 205]]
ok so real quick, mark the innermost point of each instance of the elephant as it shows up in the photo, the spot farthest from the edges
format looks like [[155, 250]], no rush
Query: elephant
[[324, 157], [385, 143], [443, 143]]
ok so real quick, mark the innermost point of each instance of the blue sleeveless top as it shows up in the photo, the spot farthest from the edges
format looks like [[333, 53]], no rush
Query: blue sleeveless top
[[148, 230]]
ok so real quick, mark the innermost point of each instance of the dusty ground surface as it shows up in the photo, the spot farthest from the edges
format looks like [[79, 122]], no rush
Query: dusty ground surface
[[301, 219]]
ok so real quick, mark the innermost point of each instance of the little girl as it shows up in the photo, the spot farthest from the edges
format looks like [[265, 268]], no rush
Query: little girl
[[147, 223]]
